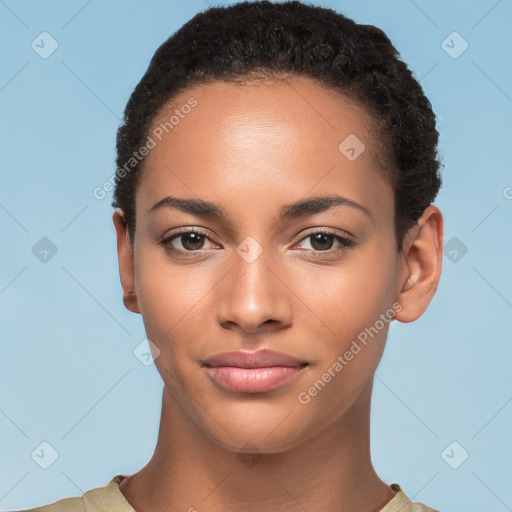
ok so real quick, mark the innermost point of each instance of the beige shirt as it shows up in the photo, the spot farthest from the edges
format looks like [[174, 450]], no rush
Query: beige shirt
[[111, 499]]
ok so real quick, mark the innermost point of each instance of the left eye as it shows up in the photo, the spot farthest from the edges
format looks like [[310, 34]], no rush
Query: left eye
[[323, 240]]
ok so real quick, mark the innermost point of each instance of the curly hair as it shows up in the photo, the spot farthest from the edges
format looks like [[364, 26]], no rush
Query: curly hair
[[262, 39]]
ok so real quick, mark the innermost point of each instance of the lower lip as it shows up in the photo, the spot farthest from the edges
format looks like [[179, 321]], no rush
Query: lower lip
[[253, 380]]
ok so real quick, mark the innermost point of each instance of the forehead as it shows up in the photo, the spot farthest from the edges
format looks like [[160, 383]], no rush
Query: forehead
[[283, 137]]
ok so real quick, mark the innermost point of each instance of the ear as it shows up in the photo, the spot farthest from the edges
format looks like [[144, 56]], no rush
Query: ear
[[421, 260], [126, 263]]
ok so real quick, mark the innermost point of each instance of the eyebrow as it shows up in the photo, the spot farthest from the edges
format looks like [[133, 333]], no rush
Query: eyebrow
[[300, 208]]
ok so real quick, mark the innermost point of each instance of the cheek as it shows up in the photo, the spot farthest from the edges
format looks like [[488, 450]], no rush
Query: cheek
[[166, 292], [175, 306], [161, 295], [351, 296], [350, 300], [351, 342]]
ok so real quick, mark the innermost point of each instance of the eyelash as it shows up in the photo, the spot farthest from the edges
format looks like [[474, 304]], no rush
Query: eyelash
[[345, 242]]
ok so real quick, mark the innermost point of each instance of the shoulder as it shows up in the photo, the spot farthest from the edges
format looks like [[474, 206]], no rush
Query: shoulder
[[104, 498], [420, 507], [64, 505], [402, 503]]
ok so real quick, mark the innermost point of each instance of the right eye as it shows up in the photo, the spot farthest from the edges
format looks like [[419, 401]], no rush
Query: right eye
[[190, 240]]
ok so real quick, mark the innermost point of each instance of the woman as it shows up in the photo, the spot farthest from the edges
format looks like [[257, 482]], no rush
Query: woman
[[276, 172]]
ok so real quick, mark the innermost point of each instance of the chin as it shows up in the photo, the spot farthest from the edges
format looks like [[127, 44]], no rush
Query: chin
[[245, 442], [251, 428]]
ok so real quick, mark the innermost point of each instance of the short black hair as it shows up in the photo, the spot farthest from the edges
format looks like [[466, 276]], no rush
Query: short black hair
[[265, 39]]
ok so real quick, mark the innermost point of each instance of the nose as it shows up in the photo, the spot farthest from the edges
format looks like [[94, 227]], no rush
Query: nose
[[254, 298]]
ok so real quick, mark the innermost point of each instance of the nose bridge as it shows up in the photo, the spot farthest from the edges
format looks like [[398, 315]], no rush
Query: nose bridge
[[253, 294]]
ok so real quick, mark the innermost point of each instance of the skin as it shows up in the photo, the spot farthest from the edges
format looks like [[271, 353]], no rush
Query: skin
[[252, 149]]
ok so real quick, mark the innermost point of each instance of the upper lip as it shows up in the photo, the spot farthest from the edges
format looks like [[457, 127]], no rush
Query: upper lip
[[256, 359]]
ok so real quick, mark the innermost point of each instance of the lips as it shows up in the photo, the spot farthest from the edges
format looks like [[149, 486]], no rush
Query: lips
[[253, 372], [258, 359]]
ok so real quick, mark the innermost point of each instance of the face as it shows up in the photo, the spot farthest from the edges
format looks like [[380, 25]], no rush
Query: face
[[317, 281]]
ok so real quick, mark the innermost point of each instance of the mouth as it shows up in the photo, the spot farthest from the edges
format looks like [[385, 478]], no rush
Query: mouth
[[253, 372], [253, 380]]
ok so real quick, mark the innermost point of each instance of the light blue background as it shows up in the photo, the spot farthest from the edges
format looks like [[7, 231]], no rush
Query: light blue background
[[68, 372]]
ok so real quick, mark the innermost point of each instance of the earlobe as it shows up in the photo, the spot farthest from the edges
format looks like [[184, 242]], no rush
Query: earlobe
[[126, 263], [421, 265]]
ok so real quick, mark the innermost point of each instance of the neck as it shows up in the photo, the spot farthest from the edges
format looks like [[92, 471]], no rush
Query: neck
[[331, 471]]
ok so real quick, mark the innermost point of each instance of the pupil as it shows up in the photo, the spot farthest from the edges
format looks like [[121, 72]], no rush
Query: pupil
[[190, 240], [322, 238]]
